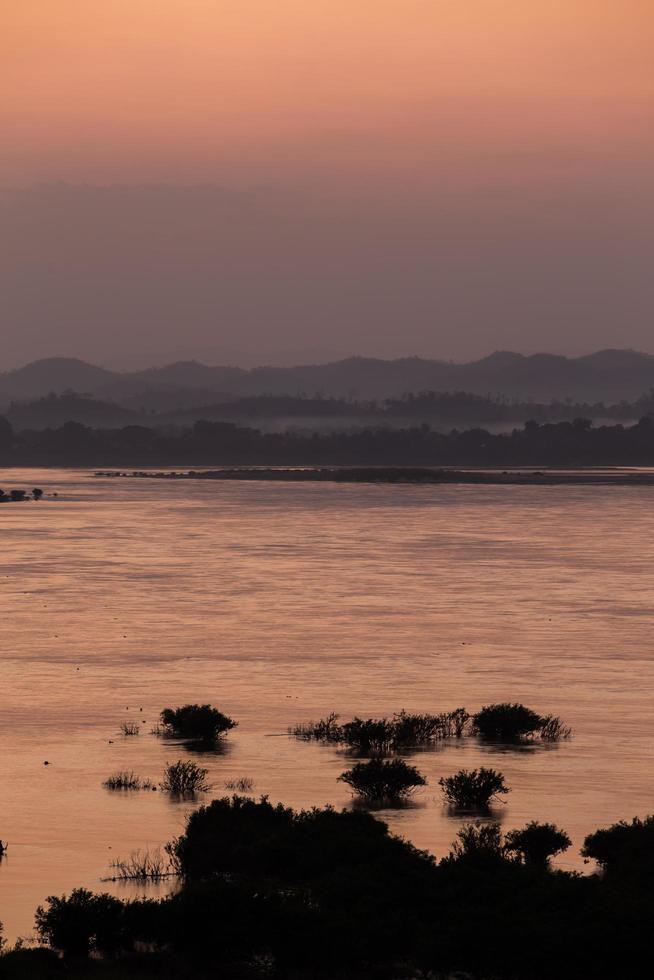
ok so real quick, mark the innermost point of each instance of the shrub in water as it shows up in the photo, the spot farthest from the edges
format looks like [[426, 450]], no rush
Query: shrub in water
[[369, 735], [126, 780], [196, 721], [325, 730], [537, 842], [184, 778], [142, 866], [552, 729], [472, 789], [416, 729], [455, 723], [129, 728], [244, 784], [379, 780], [506, 722]]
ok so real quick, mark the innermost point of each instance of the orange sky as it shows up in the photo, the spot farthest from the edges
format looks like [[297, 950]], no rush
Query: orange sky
[[281, 90]]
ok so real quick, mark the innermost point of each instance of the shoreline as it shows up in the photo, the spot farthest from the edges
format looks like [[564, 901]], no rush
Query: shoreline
[[398, 475]]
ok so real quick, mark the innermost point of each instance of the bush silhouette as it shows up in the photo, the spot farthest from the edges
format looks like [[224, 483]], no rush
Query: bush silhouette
[[478, 842], [623, 848], [380, 780], [130, 728], [126, 779], [537, 842], [325, 730], [417, 729], [370, 735], [455, 723], [196, 721], [471, 789], [320, 894], [552, 729], [81, 922], [506, 722], [184, 778], [238, 835]]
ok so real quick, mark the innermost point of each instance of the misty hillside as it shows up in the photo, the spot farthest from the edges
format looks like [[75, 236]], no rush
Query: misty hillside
[[609, 375]]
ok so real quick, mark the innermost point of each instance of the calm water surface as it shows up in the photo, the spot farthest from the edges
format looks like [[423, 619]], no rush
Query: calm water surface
[[281, 602]]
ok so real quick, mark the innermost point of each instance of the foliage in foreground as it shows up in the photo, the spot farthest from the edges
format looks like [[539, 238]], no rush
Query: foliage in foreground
[[380, 780], [322, 894], [537, 842], [196, 721], [532, 845], [624, 849]]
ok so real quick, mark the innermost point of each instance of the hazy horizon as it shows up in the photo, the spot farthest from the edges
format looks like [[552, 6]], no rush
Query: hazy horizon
[[283, 182]]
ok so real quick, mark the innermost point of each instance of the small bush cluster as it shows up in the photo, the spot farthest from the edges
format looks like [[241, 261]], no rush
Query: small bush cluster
[[184, 779], [80, 923], [623, 847], [126, 779], [199, 722], [537, 842], [142, 866], [375, 736], [130, 728], [243, 784], [532, 845], [507, 722], [325, 730], [471, 789], [478, 842], [380, 780]]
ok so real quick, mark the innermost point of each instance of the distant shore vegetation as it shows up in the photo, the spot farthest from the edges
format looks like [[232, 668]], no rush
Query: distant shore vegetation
[[571, 443]]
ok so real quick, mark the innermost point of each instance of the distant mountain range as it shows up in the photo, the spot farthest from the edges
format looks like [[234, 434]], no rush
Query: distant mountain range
[[607, 375]]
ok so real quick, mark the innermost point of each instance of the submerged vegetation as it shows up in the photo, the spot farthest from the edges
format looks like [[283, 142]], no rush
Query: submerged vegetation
[[243, 784], [381, 780], [130, 728], [374, 736], [184, 779], [379, 735], [199, 722], [126, 779], [142, 866], [507, 722], [325, 730], [471, 789]]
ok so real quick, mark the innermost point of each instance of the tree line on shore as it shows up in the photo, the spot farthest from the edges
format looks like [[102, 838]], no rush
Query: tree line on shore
[[575, 443]]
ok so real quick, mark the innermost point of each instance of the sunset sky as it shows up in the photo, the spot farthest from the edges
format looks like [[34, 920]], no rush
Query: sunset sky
[[277, 180]]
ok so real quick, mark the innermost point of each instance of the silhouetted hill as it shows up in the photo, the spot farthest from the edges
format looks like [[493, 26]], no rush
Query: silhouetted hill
[[55, 410], [609, 375], [54, 374]]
